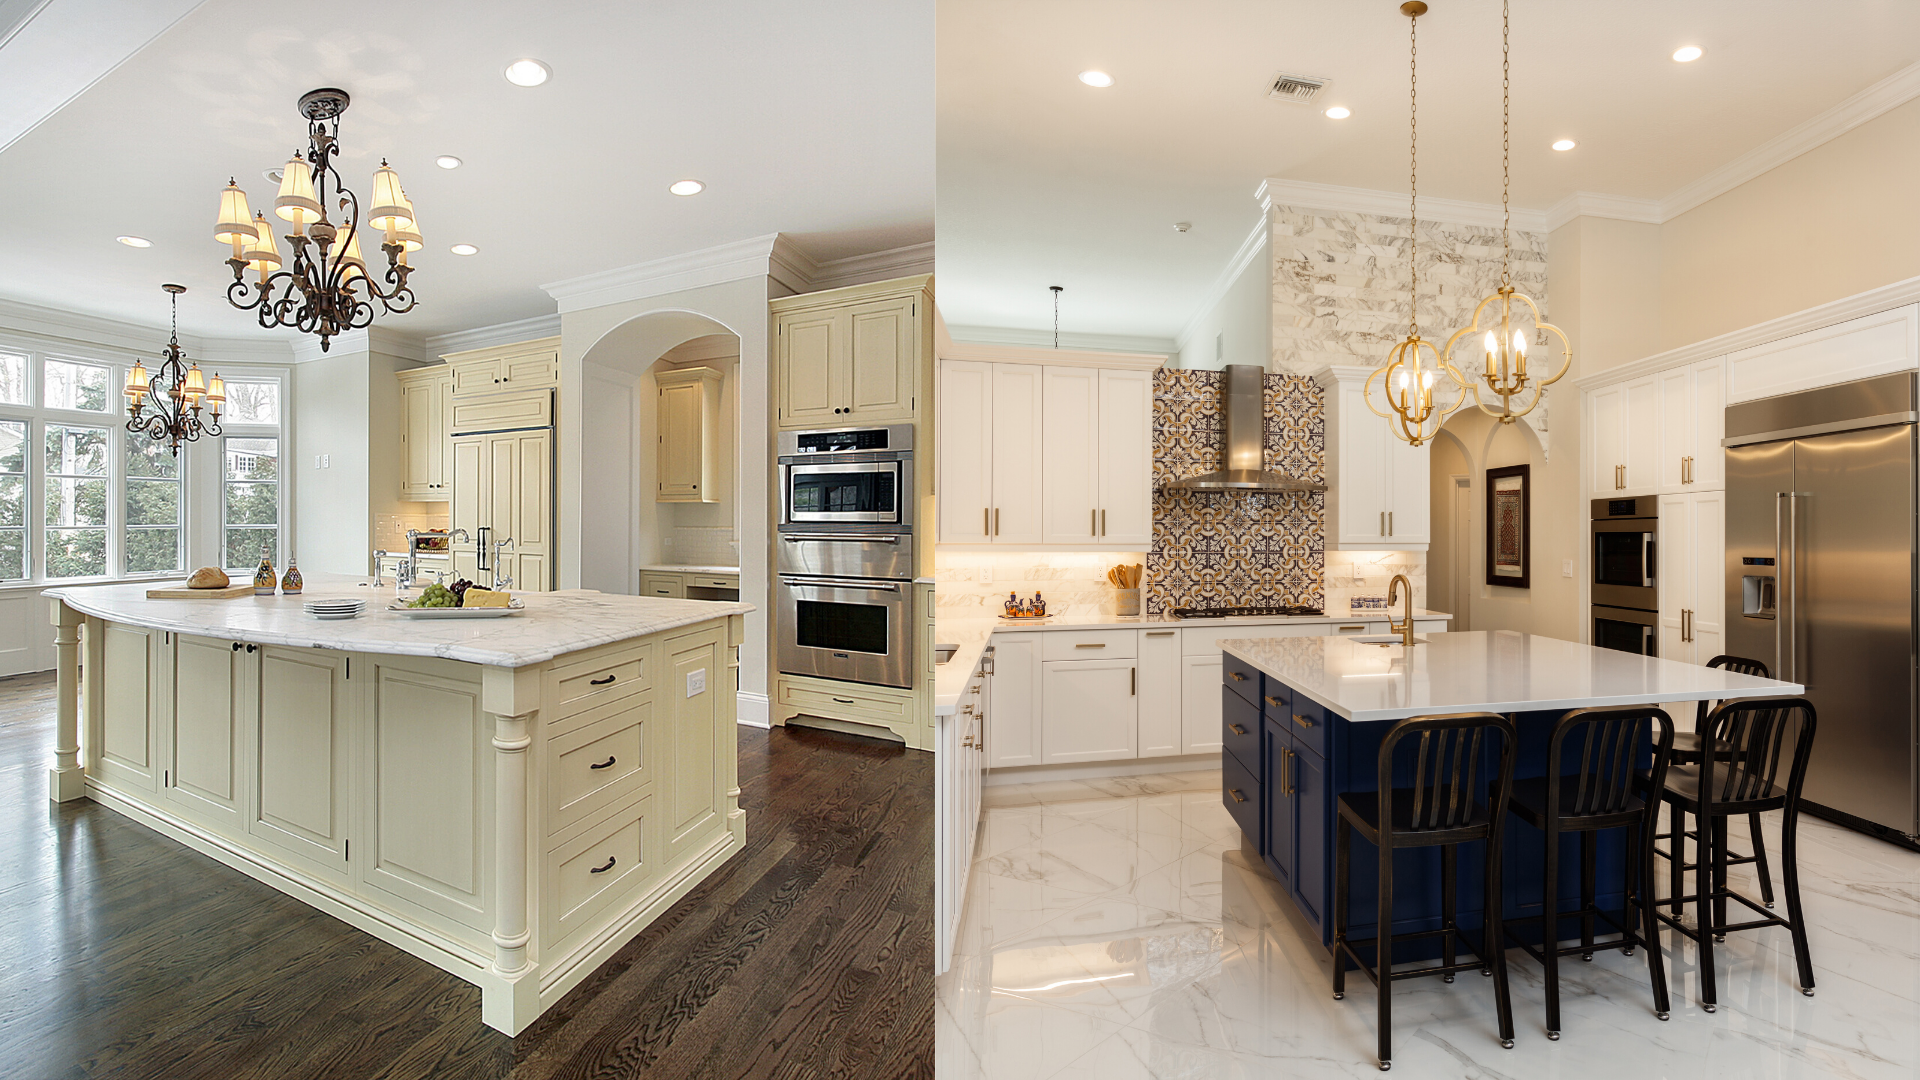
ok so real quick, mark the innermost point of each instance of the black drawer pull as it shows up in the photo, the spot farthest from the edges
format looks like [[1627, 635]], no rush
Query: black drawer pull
[[1236, 729], [1237, 797], [844, 700], [1276, 702], [602, 682], [605, 764], [1236, 676], [603, 869]]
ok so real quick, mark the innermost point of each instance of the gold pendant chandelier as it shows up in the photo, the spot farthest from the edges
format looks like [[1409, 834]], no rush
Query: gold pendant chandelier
[[1505, 374], [1413, 368]]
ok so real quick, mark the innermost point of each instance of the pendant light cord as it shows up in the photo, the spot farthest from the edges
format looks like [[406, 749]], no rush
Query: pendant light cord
[[1056, 314], [1506, 176], [1413, 176]]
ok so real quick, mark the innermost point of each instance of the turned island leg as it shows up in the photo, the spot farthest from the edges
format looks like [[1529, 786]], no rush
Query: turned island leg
[[736, 817], [66, 781], [510, 994]]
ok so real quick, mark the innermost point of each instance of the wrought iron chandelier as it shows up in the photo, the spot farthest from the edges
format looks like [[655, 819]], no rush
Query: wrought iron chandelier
[[165, 405], [320, 293], [1412, 368], [1505, 347]]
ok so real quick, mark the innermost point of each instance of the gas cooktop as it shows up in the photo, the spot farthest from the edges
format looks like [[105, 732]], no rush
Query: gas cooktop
[[1243, 610]]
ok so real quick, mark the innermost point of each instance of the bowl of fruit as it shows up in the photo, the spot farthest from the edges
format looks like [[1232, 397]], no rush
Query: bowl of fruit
[[460, 600]]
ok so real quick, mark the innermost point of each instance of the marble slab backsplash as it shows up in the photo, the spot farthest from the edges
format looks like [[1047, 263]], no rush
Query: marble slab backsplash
[[1368, 573], [974, 584]]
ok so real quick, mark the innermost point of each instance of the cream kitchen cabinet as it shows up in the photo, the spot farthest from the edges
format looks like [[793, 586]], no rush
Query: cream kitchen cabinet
[[991, 417], [301, 733], [426, 403], [1623, 427], [1691, 565], [208, 681], [525, 365], [1377, 485], [687, 450], [1692, 420], [503, 489], [1096, 457], [858, 355]]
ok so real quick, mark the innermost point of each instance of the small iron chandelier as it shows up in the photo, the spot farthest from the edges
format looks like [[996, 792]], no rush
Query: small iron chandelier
[[1505, 347], [166, 405], [1407, 380], [317, 294]]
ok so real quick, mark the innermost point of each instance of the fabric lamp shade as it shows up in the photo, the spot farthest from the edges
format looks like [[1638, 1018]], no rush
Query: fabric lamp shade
[[195, 386], [408, 235], [297, 201], [137, 381], [217, 395], [350, 255], [236, 221], [262, 253], [389, 203]]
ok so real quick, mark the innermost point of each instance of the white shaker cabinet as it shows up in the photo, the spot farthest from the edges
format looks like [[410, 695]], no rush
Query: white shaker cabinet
[[1069, 456], [957, 787], [1013, 727], [1691, 421], [1161, 696], [991, 419], [1091, 710], [1377, 485], [1692, 597], [1123, 456], [1623, 424]]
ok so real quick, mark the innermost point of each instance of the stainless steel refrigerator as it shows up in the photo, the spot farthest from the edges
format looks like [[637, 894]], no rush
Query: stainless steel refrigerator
[[1821, 581]]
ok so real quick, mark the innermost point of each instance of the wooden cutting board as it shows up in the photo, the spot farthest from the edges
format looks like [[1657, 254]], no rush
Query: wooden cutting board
[[181, 592]]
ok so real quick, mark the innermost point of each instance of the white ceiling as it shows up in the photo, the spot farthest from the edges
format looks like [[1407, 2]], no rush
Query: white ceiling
[[1044, 181], [813, 119]]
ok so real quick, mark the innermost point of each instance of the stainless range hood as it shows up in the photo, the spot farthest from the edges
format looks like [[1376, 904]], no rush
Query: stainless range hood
[[1245, 408]]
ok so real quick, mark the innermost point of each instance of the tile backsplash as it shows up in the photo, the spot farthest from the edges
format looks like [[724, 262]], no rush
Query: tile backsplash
[[975, 584], [700, 545]]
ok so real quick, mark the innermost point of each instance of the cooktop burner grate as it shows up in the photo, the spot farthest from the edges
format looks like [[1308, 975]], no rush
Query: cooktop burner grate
[[1266, 610]]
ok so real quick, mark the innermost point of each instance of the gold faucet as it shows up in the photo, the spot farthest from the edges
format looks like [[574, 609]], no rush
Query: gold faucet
[[1404, 629]]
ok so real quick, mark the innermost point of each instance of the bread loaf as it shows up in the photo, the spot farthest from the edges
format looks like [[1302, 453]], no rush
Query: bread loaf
[[208, 577]]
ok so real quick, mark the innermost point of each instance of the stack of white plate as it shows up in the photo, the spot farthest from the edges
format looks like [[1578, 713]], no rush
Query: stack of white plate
[[335, 608]]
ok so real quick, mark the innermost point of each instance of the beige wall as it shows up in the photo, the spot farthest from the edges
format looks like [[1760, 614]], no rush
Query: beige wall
[[346, 406]]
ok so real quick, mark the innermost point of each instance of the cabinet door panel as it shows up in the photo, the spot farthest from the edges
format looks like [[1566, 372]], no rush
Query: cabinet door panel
[[1642, 434], [1276, 788], [679, 458], [1311, 805], [690, 709], [1707, 561], [429, 766], [469, 484], [532, 493], [476, 377], [1017, 423], [1363, 475], [125, 750], [1013, 728], [1124, 457], [205, 738], [531, 370], [1090, 711], [881, 368], [1200, 716], [1674, 428], [1162, 695], [1606, 420], [965, 458], [1709, 425], [1070, 474], [302, 741], [1675, 575], [420, 402], [812, 349], [1410, 513]]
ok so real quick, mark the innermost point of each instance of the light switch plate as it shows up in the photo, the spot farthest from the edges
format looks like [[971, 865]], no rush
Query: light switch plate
[[1566, 567], [696, 682]]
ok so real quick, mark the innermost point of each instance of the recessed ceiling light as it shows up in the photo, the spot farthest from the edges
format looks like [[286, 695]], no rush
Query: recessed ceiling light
[[135, 241], [527, 72], [686, 187], [1688, 54], [1183, 226], [1565, 144], [1339, 112], [447, 161], [1097, 79], [464, 249], [274, 175]]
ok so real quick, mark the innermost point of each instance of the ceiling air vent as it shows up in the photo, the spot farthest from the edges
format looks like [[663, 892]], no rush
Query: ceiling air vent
[[1300, 88]]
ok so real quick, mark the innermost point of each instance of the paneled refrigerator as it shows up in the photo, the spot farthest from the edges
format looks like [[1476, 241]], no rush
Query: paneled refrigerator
[[1821, 581]]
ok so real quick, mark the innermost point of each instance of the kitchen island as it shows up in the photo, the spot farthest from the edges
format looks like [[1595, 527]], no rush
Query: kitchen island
[[1303, 719], [511, 799]]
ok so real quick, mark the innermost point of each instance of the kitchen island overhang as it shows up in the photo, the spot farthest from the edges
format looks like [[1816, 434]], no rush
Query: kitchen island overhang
[[510, 799]]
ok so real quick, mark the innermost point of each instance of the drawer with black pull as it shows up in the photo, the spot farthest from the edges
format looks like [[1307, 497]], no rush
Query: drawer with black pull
[[589, 878], [584, 680], [601, 762]]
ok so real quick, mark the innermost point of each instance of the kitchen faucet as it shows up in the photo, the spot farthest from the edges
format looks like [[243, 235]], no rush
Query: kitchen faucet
[[1404, 629]]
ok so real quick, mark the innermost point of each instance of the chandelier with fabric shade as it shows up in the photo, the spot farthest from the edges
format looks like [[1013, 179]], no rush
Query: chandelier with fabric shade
[[167, 404], [327, 289]]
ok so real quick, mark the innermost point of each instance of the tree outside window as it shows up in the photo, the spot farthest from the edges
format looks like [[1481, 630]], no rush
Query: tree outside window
[[76, 501], [13, 500], [251, 473], [152, 537]]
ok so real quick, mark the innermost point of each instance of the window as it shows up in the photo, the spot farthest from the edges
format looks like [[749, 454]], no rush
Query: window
[[13, 500], [252, 403], [151, 542], [76, 501], [250, 479], [80, 387], [13, 379]]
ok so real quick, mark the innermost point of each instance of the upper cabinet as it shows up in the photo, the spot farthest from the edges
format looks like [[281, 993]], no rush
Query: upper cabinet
[[858, 355], [1659, 433], [426, 403], [1377, 485], [688, 451], [527, 365], [1046, 454]]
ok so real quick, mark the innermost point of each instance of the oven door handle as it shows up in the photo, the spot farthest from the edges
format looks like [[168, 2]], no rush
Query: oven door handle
[[801, 538], [1648, 571], [841, 583]]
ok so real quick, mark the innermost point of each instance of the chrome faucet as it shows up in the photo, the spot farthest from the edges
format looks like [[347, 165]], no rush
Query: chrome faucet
[[500, 581], [1404, 629]]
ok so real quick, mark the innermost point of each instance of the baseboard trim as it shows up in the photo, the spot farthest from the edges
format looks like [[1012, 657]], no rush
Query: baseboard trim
[[845, 727], [753, 710], [1040, 774]]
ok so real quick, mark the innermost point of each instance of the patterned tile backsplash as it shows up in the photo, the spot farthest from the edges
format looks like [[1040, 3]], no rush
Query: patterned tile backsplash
[[1211, 549]]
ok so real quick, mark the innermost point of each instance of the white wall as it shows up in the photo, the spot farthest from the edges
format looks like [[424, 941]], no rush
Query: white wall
[[1238, 327], [346, 406]]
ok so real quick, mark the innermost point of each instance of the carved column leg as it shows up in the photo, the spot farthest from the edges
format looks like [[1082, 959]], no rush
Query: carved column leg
[[510, 993], [736, 817], [66, 781]]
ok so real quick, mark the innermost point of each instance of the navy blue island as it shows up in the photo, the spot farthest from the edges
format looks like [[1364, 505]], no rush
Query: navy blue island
[[1302, 723]]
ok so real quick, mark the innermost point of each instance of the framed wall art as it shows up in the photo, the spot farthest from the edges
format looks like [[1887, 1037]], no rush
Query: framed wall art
[[1509, 526]]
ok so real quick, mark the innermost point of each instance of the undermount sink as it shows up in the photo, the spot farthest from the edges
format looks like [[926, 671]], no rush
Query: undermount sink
[[944, 653], [1384, 640]]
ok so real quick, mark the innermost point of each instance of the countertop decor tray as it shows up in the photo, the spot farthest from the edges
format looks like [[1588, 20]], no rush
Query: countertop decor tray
[[515, 608]]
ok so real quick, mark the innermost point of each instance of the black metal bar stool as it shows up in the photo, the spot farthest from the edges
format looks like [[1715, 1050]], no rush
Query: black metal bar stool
[[1742, 776], [1439, 810], [1599, 795], [1686, 751]]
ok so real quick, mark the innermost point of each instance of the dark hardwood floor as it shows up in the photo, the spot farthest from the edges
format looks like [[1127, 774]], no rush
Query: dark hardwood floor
[[809, 954]]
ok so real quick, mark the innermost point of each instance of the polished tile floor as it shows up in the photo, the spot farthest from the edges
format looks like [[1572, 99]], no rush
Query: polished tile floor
[[1116, 930]]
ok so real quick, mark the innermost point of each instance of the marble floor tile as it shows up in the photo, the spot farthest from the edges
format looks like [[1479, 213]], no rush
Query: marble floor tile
[[1120, 930]]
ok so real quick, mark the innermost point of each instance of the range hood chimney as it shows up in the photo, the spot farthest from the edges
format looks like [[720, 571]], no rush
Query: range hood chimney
[[1245, 408]]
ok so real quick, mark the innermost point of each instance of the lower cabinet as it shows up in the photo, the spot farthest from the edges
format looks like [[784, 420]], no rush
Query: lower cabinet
[[302, 741], [1091, 710], [1162, 698], [1013, 728], [1296, 826], [959, 761], [205, 728]]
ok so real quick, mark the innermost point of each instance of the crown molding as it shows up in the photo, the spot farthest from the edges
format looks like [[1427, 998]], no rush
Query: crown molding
[[486, 337], [964, 338], [1595, 204], [1242, 258], [1275, 191], [83, 330], [1047, 354], [371, 339], [905, 261], [754, 257]]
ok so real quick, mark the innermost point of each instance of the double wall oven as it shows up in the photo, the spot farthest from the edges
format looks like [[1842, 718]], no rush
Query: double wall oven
[[846, 555], [1626, 593]]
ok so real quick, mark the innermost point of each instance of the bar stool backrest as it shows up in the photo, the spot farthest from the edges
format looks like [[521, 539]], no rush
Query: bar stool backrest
[[1754, 733], [1739, 665], [1447, 752], [1610, 742]]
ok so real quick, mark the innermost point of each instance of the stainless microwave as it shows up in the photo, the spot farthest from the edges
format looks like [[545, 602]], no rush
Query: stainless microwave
[[847, 476]]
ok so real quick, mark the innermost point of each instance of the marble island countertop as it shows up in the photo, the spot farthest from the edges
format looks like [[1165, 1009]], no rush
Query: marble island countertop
[[554, 623], [688, 568], [971, 635], [1499, 671]]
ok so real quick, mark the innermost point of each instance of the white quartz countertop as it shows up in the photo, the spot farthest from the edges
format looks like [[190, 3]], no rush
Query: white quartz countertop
[[687, 568], [554, 623], [1499, 671], [950, 678]]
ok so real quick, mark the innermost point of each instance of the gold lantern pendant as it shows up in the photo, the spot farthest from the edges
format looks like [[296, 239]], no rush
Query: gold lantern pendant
[[1407, 381]]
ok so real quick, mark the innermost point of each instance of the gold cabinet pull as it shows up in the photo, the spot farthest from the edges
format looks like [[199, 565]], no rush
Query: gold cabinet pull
[[1302, 721], [986, 521], [1235, 792], [1236, 676], [1091, 645], [1236, 729], [1276, 702], [1093, 522]]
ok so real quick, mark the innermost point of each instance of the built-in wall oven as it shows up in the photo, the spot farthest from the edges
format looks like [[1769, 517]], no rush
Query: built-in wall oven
[[1626, 588], [844, 599]]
